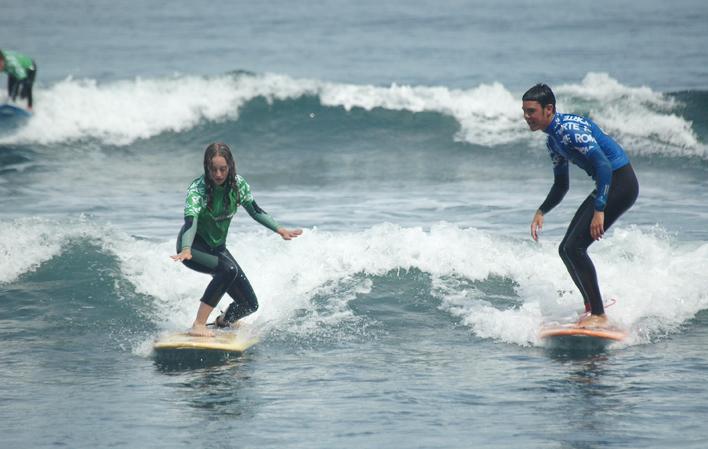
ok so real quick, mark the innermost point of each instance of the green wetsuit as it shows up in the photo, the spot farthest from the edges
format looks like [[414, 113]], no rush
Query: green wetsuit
[[21, 71], [204, 233], [212, 225], [17, 65]]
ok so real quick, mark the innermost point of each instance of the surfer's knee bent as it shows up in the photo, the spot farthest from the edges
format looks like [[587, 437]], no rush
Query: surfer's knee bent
[[240, 309], [210, 300], [571, 250], [563, 251], [228, 269]]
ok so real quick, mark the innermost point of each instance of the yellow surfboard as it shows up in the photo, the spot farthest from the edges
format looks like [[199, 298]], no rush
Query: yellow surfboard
[[224, 341]]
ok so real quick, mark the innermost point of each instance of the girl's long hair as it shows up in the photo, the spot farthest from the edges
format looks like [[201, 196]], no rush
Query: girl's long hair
[[223, 150]]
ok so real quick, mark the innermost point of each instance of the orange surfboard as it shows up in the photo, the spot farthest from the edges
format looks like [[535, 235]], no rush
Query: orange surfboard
[[572, 330]]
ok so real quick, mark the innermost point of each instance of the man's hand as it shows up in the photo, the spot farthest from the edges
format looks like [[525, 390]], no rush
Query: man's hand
[[597, 226], [536, 224]]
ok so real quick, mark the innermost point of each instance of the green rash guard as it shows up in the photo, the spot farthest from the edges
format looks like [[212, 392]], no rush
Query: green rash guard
[[212, 225], [17, 64]]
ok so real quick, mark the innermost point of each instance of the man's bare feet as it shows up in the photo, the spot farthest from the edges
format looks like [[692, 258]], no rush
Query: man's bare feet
[[596, 321], [200, 330]]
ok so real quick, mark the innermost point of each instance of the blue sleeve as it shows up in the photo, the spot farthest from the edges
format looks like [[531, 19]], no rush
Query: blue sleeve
[[584, 142], [603, 176]]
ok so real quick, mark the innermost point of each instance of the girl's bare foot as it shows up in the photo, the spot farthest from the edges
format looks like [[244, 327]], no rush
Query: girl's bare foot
[[200, 330]]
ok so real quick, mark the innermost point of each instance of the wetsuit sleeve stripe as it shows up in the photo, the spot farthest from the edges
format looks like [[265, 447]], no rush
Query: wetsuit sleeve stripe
[[190, 231], [261, 216], [603, 177]]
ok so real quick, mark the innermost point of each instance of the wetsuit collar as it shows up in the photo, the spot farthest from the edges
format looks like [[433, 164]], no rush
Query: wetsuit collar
[[554, 122]]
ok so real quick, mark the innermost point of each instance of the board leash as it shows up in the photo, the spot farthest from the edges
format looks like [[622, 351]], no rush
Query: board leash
[[609, 303]]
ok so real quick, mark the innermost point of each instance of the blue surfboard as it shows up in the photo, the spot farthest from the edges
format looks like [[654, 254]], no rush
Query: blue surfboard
[[12, 117], [11, 111]]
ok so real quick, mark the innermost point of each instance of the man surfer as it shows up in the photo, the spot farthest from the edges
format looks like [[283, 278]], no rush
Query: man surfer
[[21, 71], [579, 140], [212, 200]]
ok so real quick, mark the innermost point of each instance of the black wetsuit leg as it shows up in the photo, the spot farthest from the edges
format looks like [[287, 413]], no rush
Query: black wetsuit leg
[[22, 88], [573, 249], [227, 276], [27, 84], [245, 301], [13, 86]]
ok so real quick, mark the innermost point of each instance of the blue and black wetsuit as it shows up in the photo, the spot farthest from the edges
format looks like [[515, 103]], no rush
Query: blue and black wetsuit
[[579, 140]]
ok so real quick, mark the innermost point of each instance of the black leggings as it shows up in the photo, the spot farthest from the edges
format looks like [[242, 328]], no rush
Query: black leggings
[[573, 249], [23, 88], [227, 277]]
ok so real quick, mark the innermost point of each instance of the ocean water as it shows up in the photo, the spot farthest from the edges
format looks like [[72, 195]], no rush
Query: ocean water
[[407, 313]]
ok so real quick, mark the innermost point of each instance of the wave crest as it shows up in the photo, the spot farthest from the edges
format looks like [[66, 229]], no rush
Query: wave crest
[[656, 297], [121, 112]]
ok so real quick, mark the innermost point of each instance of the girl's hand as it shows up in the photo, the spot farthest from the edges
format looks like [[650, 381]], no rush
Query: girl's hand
[[186, 254], [287, 234]]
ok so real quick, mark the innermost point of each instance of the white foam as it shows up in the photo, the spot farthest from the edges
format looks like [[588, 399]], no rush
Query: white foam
[[121, 112], [637, 116], [26, 243], [305, 286], [489, 114], [659, 286]]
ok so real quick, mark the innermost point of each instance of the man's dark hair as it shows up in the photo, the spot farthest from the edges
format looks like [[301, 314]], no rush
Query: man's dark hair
[[2, 56], [541, 93]]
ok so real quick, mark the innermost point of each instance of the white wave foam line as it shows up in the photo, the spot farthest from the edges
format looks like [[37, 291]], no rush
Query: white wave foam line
[[638, 117], [658, 286], [489, 114], [176, 289], [121, 112], [26, 243]]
